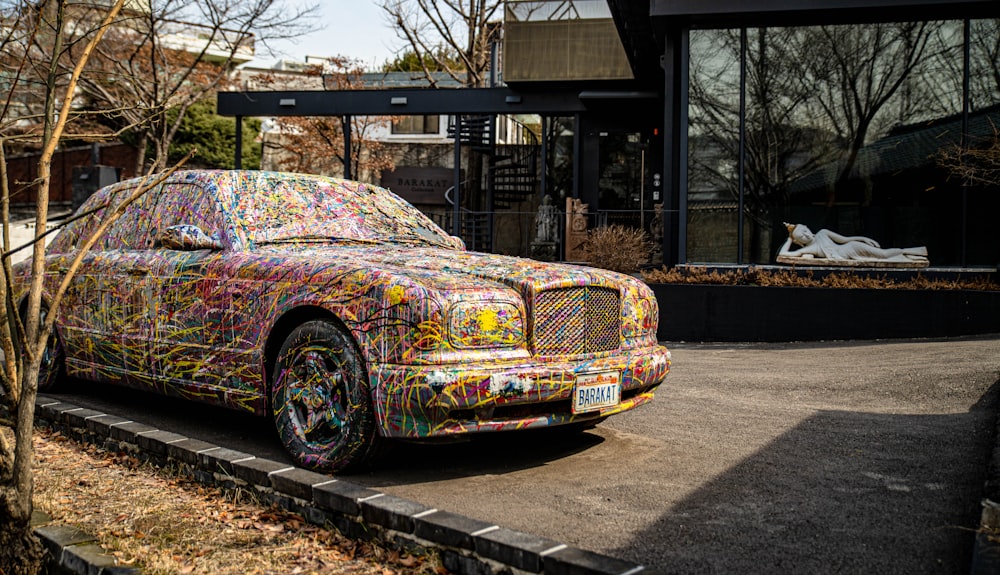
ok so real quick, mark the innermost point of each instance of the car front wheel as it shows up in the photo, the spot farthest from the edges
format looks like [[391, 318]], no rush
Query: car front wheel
[[321, 401]]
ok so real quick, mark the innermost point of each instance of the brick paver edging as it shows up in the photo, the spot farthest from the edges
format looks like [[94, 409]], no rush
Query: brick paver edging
[[467, 546], [73, 551]]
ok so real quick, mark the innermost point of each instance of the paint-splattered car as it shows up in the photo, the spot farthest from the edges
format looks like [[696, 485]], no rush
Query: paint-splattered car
[[344, 311]]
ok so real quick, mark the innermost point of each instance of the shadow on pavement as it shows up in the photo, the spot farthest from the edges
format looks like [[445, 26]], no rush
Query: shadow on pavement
[[841, 492], [489, 454]]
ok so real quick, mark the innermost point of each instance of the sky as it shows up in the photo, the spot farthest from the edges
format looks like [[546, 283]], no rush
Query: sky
[[353, 28]]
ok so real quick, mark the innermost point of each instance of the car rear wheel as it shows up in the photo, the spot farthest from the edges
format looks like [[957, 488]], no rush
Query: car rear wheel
[[52, 370], [321, 399]]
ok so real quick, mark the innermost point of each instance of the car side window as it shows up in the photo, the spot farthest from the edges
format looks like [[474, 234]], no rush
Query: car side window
[[131, 230], [169, 204], [186, 204]]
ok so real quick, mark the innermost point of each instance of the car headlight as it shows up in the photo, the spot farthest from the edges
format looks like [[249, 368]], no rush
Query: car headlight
[[485, 324], [639, 317]]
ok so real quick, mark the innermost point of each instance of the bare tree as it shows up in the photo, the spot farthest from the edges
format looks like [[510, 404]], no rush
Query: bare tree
[[173, 53], [857, 70], [442, 33], [315, 144], [776, 138], [20, 552], [25, 325], [975, 164], [985, 53], [456, 38]]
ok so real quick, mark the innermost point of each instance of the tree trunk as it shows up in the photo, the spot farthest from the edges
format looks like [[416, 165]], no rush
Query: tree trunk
[[140, 157], [21, 553]]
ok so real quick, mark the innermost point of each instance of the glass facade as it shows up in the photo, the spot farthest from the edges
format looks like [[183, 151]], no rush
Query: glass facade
[[841, 127]]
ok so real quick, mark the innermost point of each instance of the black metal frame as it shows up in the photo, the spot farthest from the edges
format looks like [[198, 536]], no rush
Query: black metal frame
[[402, 102], [754, 13]]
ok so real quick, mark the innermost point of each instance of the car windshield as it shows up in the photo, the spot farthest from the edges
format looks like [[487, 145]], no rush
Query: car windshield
[[290, 209]]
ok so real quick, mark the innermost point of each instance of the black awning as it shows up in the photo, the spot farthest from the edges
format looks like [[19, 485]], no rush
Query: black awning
[[733, 13]]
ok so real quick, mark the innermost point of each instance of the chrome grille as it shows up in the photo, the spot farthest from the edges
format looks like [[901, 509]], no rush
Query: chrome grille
[[576, 320]]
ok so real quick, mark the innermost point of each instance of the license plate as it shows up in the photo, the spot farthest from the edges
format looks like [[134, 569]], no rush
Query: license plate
[[596, 391]]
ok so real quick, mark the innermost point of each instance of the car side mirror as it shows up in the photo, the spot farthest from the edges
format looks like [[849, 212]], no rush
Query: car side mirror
[[188, 238]]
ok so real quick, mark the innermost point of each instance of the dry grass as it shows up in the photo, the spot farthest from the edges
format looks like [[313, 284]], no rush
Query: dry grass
[[789, 278], [617, 248], [162, 523]]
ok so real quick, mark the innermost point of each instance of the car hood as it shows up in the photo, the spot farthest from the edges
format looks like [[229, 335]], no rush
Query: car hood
[[450, 269]]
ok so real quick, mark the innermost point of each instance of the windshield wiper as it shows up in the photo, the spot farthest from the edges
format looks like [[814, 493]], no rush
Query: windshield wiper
[[317, 239]]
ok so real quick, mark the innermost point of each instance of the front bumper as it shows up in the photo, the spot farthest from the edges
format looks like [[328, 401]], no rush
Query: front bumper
[[416, 401]]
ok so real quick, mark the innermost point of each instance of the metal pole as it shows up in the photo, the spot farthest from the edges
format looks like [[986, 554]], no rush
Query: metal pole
[[543, 183], [577, 152], [238, 164], [346, 123], [494, 62], [967, 62], [456, 196], [743, 141]]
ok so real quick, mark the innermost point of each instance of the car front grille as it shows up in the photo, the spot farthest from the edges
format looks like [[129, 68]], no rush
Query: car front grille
[[575, 320]]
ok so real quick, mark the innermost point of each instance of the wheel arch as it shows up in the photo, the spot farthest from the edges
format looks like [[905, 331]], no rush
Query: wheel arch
[[22, 307], [284, 327]]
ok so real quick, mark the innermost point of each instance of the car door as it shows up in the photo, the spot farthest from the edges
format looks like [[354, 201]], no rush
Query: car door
[[88, 315], [188, 343], [107, 338], [127, 266]]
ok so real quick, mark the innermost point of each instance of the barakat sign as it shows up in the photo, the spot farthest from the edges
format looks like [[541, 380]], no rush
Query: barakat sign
[[425, 186]]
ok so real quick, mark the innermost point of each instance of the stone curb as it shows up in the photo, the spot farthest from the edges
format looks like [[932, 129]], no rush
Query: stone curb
[[986, 549], [466, 545], [73, 551]]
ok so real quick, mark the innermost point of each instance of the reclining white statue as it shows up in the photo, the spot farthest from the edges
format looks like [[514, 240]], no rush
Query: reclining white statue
[[830, 248]]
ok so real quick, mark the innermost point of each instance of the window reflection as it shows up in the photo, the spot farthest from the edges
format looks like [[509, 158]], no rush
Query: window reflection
[[844, 129]]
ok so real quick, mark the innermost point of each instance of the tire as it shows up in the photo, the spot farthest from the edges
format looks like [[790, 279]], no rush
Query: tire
[[52, 371], [321, 400]]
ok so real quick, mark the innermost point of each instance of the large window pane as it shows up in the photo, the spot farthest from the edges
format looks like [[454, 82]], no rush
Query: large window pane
[[844, 129], [984, 55], [983, 195], [882, 100], [417, 125], [713, 144]]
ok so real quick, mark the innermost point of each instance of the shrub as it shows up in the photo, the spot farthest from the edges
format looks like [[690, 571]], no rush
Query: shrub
[[790, 278], [617, 248]]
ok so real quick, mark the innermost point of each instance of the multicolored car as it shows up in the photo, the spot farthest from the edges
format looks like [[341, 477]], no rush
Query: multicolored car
[[344, 312]]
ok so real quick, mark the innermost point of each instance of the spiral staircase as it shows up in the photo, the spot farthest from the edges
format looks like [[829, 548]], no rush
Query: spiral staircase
[[511, 172]]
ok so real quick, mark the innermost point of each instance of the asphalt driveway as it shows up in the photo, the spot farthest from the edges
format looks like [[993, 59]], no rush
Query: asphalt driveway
[[850, 457]]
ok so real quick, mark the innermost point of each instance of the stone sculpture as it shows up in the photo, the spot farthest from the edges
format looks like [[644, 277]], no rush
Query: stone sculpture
[[545, 245], [576, 229], [826, 247]]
